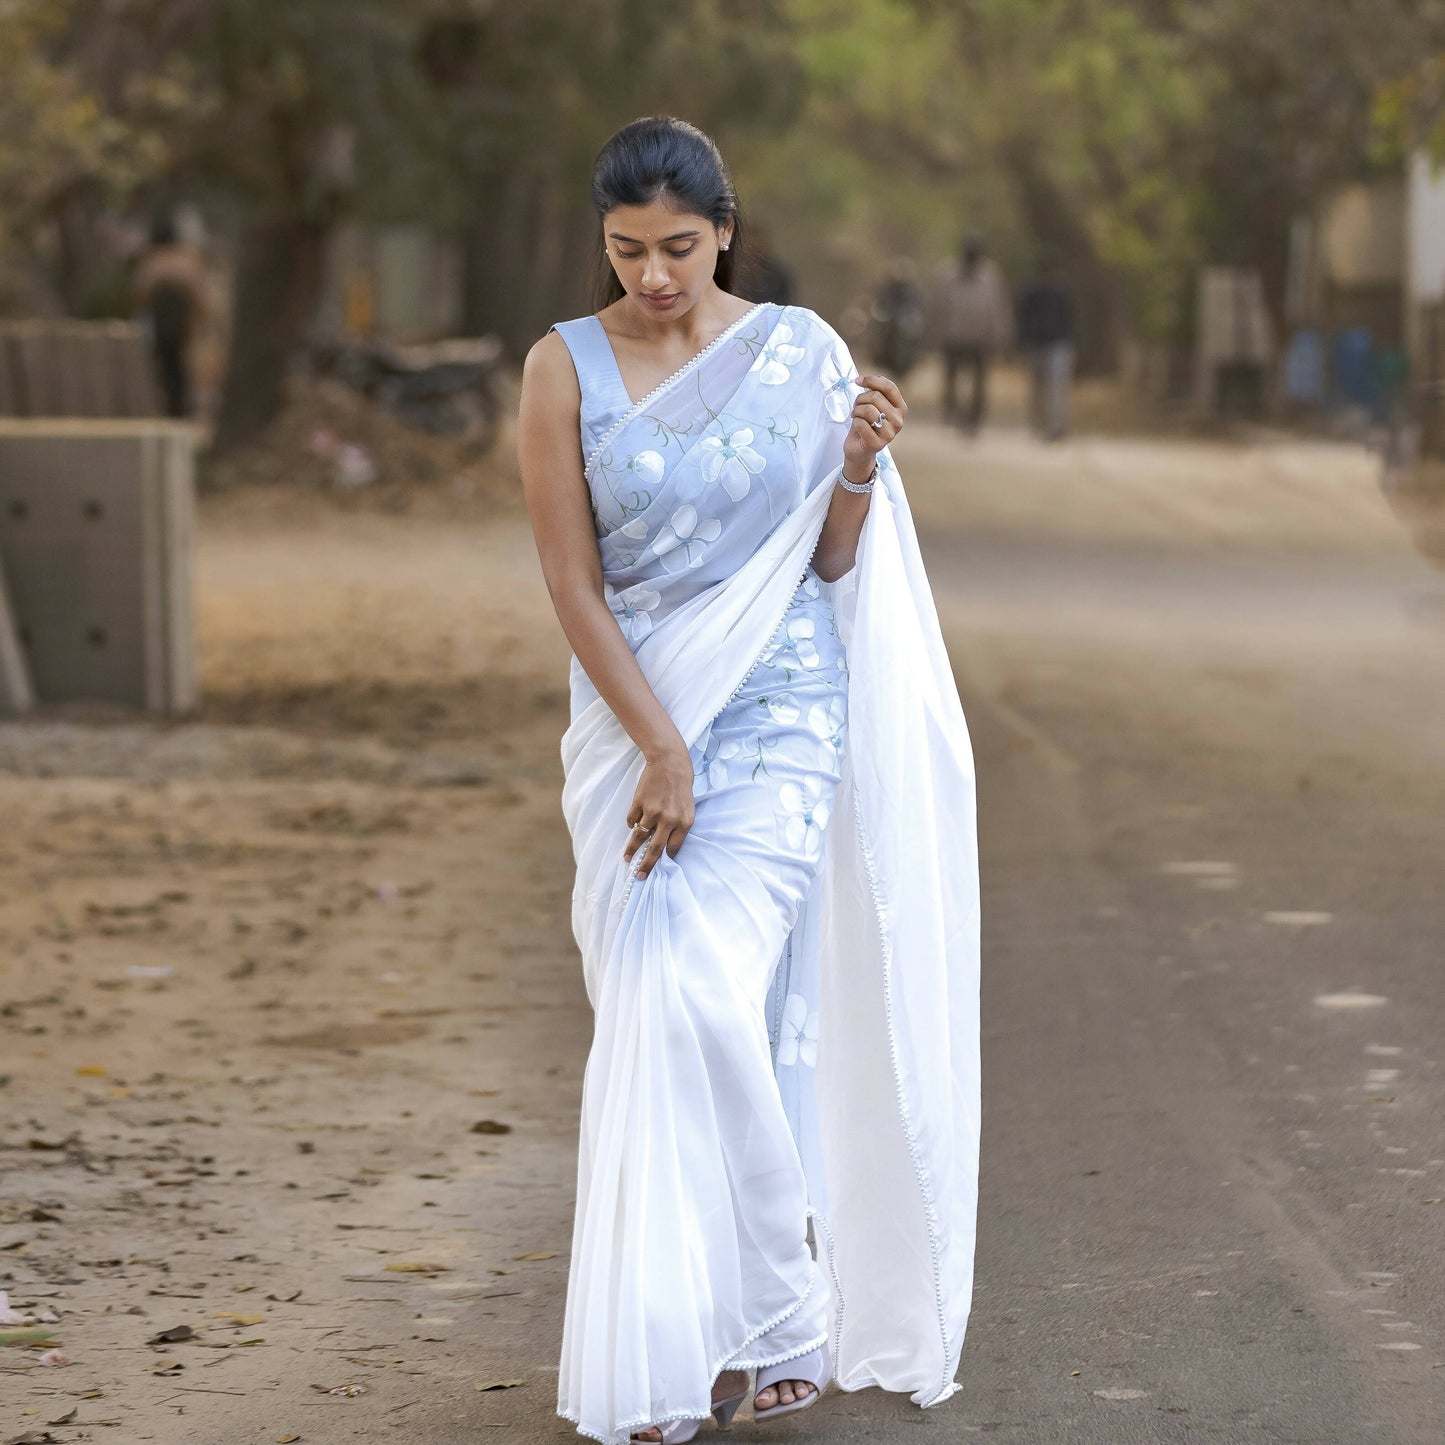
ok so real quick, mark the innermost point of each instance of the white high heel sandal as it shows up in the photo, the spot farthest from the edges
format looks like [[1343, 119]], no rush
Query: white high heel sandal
[[679, 1432], [814, 1367]]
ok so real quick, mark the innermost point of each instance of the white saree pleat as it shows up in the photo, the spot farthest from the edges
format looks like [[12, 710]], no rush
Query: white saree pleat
[[705, 1254], [677, 1095], [688, 1254], [898, 1081]]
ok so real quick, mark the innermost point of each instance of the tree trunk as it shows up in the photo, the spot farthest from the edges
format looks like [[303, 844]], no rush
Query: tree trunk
[[498, 265], [278, 286], [528, 256], [564, 255]]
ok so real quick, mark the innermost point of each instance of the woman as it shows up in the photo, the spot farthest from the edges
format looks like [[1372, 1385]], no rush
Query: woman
[[770, 794]]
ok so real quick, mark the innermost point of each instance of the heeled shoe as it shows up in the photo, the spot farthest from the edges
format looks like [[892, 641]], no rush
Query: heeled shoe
[[723, 1410], [815, 1367], [679, 1432]]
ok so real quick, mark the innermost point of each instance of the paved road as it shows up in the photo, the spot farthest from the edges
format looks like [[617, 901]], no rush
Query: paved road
[[1207, 697]]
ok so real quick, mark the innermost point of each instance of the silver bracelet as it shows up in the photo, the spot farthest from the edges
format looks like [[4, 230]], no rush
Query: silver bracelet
[[858, 486]]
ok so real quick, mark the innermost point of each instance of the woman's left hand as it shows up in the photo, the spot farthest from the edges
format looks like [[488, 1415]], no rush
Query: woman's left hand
[[878, 416]]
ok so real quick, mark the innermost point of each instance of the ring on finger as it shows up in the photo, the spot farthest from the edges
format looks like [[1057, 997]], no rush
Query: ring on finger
[[881, 418]]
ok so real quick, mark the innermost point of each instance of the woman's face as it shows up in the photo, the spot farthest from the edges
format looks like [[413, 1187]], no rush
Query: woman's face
[[663, 258]]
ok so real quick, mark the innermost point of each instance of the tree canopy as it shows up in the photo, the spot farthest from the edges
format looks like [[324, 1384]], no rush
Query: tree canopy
[[1134, 139]]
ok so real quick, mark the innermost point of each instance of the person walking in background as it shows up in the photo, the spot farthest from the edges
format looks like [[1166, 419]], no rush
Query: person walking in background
[[974, 320], [898, 321], [172, 290], [1046, 332]]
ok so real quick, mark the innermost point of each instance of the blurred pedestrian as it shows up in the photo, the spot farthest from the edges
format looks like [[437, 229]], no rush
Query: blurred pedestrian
[[974, 321], [898, 321], [1046, 333], [173, 292]]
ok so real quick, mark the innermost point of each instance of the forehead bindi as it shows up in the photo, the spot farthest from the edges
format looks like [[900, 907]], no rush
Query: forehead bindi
[[654, 225], [648, 236]]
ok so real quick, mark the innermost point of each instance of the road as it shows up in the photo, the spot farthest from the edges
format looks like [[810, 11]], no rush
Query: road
[[1213, 809], [294, 1027], [1207, 698]]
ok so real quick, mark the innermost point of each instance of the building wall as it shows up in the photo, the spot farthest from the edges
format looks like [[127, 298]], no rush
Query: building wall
[[400, 282], [1362, 236]]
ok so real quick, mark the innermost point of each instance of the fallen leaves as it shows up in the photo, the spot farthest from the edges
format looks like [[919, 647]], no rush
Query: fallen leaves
[[26, 1335], [172, 1336], [490, 1126], [346, 1391], [410, 1266], [500, 1384]]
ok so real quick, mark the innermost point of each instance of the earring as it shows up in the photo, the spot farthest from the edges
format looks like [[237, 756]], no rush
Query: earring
[[725, 245]]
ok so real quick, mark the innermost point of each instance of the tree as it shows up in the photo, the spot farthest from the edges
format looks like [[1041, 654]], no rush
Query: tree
[[66, 149], [529, 91], [1136, 139]]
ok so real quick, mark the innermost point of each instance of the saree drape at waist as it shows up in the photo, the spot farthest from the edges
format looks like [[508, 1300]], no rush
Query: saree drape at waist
[[687, 1253]]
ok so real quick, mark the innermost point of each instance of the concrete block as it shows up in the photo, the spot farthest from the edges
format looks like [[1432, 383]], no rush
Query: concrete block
[[16, 693], [96, 528]]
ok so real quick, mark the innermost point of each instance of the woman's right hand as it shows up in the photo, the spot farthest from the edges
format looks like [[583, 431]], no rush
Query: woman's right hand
[[662, 808]]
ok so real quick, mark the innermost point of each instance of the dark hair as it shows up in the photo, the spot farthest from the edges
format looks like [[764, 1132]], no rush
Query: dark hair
[[660, 158]]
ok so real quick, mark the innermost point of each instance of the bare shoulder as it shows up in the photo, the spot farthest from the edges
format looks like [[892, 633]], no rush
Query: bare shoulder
[[549, 373]]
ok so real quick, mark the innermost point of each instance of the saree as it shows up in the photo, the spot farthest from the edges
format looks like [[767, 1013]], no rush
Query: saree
[[781, 1106]]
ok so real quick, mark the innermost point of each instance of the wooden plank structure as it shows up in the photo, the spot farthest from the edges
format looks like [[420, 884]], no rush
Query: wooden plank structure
[[96, 526], [76, 368]]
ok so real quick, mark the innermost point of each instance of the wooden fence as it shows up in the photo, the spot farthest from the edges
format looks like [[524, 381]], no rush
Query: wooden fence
[[77, 368]]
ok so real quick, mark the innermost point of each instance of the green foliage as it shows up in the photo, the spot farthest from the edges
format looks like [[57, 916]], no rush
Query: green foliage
[[1410, 112], [1153, 134], [56, 131], [1141, 136]]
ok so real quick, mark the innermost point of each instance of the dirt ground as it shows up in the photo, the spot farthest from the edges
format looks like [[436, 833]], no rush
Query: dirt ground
[[264, 976], [292, 1031]]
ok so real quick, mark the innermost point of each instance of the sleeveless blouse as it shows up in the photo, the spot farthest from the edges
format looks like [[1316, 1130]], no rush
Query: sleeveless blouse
[[604, 396]]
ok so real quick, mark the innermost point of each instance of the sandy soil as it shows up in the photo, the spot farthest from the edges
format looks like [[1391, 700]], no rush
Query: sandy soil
[[263, 972]]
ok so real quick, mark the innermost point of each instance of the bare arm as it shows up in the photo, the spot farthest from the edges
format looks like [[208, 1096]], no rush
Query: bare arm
[[837, 549], [556, 492]]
